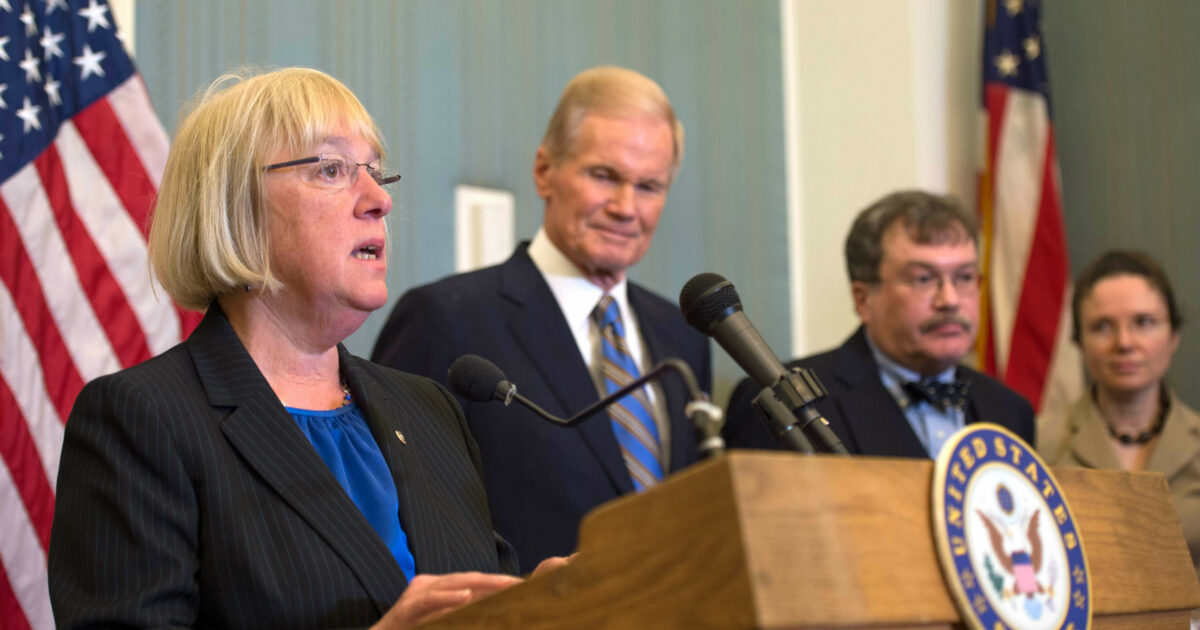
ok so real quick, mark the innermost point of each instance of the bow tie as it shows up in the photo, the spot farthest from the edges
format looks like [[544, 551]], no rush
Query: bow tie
[[938, 394]]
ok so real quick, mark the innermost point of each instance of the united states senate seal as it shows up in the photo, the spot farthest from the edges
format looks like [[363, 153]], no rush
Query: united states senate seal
[[1007, 543]]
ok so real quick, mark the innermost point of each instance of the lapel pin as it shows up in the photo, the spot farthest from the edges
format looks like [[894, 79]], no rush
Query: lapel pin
[[401, 437]]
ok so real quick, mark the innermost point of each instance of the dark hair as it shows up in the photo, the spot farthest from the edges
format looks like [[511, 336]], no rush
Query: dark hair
[[1123, 263], [928, 219]]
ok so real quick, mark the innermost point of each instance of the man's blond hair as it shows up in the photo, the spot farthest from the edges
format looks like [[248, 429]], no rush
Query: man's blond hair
[[608, 91]]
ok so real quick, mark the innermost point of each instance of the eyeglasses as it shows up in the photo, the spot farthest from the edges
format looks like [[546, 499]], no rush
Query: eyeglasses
[[335, 171], [927, 283]]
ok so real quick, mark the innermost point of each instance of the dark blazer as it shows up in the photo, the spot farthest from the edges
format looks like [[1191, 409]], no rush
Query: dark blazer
[[863, 412], [541, 478], [188, 497]]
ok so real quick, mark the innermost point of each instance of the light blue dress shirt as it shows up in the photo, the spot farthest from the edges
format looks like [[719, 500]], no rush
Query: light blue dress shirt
[[932, 425]]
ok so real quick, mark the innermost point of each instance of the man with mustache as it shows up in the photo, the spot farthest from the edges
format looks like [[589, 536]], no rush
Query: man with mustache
[[895, 386], [552, 318]]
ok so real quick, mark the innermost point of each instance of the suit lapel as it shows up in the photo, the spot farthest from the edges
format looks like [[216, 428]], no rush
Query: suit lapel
[[423, 526], [978, 405], [871, 413], [262, 431], [538, 326], [1177, 446], [983, 403], [1092, 445]]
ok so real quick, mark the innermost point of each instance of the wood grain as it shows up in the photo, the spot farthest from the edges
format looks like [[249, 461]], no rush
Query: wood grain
[[774, 540]]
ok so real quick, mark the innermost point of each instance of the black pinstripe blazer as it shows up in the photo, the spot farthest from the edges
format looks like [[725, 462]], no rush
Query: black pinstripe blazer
[[188, 497]]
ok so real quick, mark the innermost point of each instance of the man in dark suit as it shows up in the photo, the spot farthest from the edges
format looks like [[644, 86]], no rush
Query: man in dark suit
[[895, 386], [603, 169]]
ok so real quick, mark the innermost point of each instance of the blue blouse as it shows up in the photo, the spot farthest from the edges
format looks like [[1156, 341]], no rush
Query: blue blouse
[[343, 440]]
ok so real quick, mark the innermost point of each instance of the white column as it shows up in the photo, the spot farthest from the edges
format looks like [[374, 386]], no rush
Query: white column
[[879, 96]]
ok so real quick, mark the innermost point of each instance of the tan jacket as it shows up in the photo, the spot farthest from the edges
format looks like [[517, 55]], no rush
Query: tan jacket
[[1077, 436]]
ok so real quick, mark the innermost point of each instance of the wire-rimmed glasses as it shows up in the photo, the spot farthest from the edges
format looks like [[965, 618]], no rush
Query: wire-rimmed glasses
[[335, 171]]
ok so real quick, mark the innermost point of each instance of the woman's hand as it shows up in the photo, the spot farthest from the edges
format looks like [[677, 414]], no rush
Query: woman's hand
[[552, 563], [430, 596]]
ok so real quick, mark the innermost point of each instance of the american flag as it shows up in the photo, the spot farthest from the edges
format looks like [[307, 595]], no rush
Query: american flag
[[1025, 332], [81, 155]]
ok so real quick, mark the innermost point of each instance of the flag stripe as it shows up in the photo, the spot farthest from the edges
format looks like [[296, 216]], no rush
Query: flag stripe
[[995, 99], [10, 609], [120, 324], [22, 556], [131, 106], [21, 371], [1064, 382], [1019, 167], [111, 149], [1044, 291], [69, 306], [120, 240], [21, 457], [62, 379]]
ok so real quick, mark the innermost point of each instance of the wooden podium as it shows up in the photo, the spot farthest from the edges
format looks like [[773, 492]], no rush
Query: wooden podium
[[775, 540]]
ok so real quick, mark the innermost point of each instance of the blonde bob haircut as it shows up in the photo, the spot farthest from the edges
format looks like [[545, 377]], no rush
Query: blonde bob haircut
[[208, 228], [608, 91]]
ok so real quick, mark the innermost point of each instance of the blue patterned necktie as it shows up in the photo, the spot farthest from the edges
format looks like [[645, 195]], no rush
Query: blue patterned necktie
[[632, 424]]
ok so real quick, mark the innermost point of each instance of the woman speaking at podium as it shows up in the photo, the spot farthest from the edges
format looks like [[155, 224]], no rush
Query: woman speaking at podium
[[258, 475]]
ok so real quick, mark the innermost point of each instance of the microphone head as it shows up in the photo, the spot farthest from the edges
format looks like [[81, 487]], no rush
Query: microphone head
[[475, 378], [707, 299]]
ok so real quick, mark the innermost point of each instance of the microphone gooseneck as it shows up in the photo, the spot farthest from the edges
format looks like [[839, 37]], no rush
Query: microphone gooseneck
[[477, 379], [711, 305]]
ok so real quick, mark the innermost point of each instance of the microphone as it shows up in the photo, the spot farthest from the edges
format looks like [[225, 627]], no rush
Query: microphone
[[477, 379], [711, 305]]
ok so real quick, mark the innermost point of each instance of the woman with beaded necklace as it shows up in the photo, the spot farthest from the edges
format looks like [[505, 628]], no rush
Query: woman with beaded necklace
[[1126, 322]]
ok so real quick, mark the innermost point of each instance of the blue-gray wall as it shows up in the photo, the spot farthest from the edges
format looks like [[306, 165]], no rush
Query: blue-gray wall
[[1126, 105], [462, 90]]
